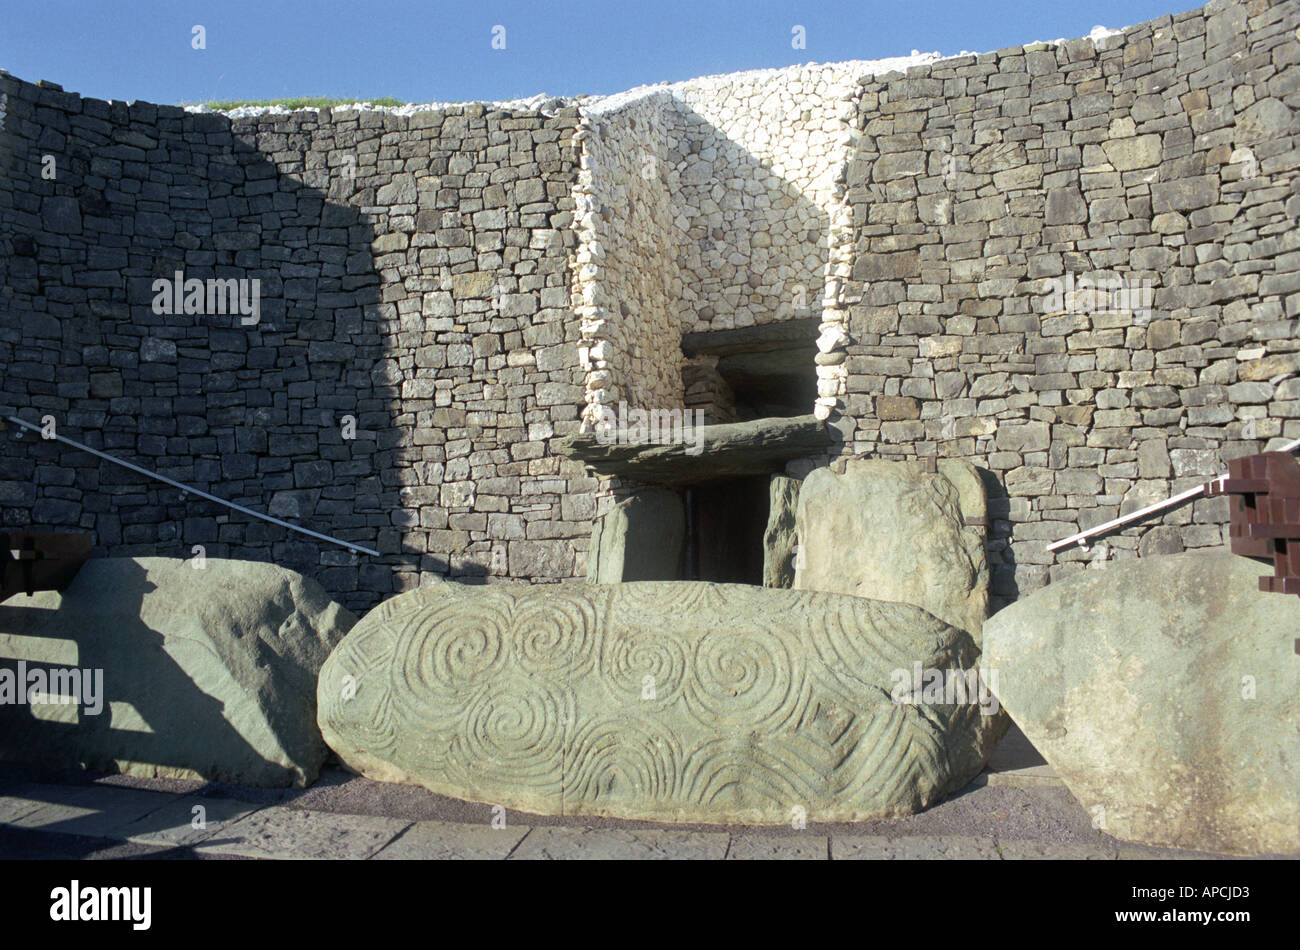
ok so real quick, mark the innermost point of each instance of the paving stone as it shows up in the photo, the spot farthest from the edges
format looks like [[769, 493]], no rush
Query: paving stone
[[438, 840], [601, 844], [1021, 850], [90, 810], [1137, 852], [283, 832], [912, 847], [14, 807], [778, 848], [175, 822]]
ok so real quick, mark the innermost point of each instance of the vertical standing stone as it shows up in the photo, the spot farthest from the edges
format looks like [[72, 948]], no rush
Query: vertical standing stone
[[639, 539], [892, 531], [779, 540]]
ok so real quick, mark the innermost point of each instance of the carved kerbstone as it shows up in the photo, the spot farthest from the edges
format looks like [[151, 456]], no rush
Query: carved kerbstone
[[676, 701]]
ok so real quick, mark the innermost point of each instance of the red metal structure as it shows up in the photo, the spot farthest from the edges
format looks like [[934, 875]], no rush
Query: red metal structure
[[1265, 514]]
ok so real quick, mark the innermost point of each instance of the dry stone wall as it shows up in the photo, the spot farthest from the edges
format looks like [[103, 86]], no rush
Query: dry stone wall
[[1163, 158], [468, 283], [710, 204], [626, 291], [755, 157], [414, 282]]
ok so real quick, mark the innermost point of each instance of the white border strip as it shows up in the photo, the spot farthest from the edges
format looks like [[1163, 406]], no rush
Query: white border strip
[[195, 491]]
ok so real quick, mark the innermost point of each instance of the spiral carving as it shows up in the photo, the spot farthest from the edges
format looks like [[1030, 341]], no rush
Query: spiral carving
[[444, 650], [555, 635], [744, 676], [644, 665], [514, 735], [667, 701]]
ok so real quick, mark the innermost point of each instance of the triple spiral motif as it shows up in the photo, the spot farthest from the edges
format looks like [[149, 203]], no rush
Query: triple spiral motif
[[640, 700]]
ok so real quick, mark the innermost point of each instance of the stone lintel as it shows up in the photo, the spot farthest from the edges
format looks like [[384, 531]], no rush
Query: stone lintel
[[731, 450]]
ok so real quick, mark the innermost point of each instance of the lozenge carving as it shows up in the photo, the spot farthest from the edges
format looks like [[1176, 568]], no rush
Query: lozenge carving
[[675, 701]]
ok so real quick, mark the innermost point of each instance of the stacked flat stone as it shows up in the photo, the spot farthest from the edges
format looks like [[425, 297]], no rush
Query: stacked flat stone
[[414, 276], [1161, 153], [474, 282]]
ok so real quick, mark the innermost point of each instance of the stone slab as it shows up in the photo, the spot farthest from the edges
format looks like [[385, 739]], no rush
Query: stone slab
[[14, 807], [606, 844], [1165, 693], [639, 539], [779, 848], [205, 672], [893, 531], [729, 450], [676, 702], [441, 841], [1139, 852], [174, 824], [296, 833], [1016, 849], [779, 537], [913, 847], [94, 811]]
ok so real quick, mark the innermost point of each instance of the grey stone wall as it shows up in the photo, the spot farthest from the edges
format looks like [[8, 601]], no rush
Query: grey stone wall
[[626, 290], [1167, 154], [436, 277], [414, 276]]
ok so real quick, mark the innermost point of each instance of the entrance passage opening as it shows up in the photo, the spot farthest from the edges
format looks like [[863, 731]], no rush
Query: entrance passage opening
[[748, 374], [766, 371], [725, 521], [699, 510]]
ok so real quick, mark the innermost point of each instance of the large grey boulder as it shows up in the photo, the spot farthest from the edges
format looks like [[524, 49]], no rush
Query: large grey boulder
[[684, 701], [893, 531], [206, 672], [1165, 693]]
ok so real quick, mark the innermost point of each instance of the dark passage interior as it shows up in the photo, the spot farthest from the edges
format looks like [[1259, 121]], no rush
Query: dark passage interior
[[749, 373], [725, 521]]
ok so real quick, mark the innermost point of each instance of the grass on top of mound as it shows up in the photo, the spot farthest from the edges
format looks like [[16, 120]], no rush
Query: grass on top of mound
[[301, 102]]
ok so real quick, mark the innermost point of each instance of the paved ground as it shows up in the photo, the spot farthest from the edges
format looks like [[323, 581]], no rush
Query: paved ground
[[1017, 809]]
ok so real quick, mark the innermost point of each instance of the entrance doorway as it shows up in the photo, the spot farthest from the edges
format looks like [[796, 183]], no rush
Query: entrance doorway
[[725, 522]]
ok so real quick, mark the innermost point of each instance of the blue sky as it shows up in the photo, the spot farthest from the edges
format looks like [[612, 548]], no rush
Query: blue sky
[[435, 51]]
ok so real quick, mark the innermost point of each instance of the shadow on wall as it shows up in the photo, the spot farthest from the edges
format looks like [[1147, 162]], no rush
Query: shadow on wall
[[295, 415], [735, 244], [998, 551], [755, 248]]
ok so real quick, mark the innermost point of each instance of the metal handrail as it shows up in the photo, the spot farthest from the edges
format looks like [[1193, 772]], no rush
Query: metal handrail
[[1081, 538], [193, 490]]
